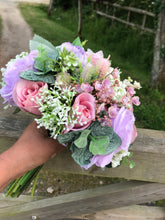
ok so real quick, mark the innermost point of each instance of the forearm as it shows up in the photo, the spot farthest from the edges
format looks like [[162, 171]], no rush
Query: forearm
[[4, 173]]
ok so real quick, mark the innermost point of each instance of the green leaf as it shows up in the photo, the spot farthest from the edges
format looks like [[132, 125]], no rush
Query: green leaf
[[16, 111], [115, 142], [68, 137], [98, 145], [39, 66], [45, 48], [31, 76], [77, 42], [130, 155], [81, 155], [131, 164], [126, 161], [53, 54], [82, 140], [42, 66], [42, 54], [98, 130], [37, 41]]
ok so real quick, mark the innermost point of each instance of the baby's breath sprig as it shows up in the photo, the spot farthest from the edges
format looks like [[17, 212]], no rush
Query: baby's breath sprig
[[57, 112], [122, 155]]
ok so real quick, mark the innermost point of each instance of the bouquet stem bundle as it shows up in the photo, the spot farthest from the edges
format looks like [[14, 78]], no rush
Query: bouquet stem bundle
[[19, 185]]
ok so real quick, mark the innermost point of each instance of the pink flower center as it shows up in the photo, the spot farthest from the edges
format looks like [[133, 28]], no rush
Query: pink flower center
[[86, 113]]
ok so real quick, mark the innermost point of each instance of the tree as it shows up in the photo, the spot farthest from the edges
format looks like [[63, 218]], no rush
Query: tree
[[79, 17], [50, 7], [158, 68]]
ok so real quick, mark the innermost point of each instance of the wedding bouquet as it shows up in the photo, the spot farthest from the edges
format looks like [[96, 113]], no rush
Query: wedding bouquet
[[79, 98]]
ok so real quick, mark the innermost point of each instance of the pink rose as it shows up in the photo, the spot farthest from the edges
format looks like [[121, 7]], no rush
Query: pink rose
[[25, 93], [85, 106]]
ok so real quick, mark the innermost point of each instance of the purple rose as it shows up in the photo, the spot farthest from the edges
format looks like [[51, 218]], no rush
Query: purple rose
[[123, 125], [100, 160], [79, 52], [11, 75]]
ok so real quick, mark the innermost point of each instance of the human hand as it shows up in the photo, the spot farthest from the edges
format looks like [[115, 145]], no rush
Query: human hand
[[32, 149]]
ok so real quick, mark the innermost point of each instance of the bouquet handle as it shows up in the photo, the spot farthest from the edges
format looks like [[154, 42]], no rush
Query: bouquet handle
[[16, 187]]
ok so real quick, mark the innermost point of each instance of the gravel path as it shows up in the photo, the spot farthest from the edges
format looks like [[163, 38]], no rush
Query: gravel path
[[16, 34]]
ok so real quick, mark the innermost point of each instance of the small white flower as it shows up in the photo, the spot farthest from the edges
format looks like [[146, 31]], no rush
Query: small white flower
[[118, 157], [137, 85]]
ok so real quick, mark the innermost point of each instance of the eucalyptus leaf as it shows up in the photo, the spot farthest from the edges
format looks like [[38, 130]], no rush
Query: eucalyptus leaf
[[39, 66], [31, 76], [98, 145], [81, 155], [115, 142], [82, 140], [53, 54], [42, 66], [47, 66], [98, 130], [68, 137], [77, 42], [37, 41]]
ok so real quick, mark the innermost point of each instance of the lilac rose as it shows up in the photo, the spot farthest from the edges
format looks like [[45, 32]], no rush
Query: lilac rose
[[11, 75]]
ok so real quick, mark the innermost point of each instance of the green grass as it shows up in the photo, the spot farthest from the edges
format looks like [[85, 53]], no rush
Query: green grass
[[62, 26], [129, 50], [36, 16]]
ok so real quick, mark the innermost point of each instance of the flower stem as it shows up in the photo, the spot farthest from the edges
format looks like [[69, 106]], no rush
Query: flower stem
[[19, 185]]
